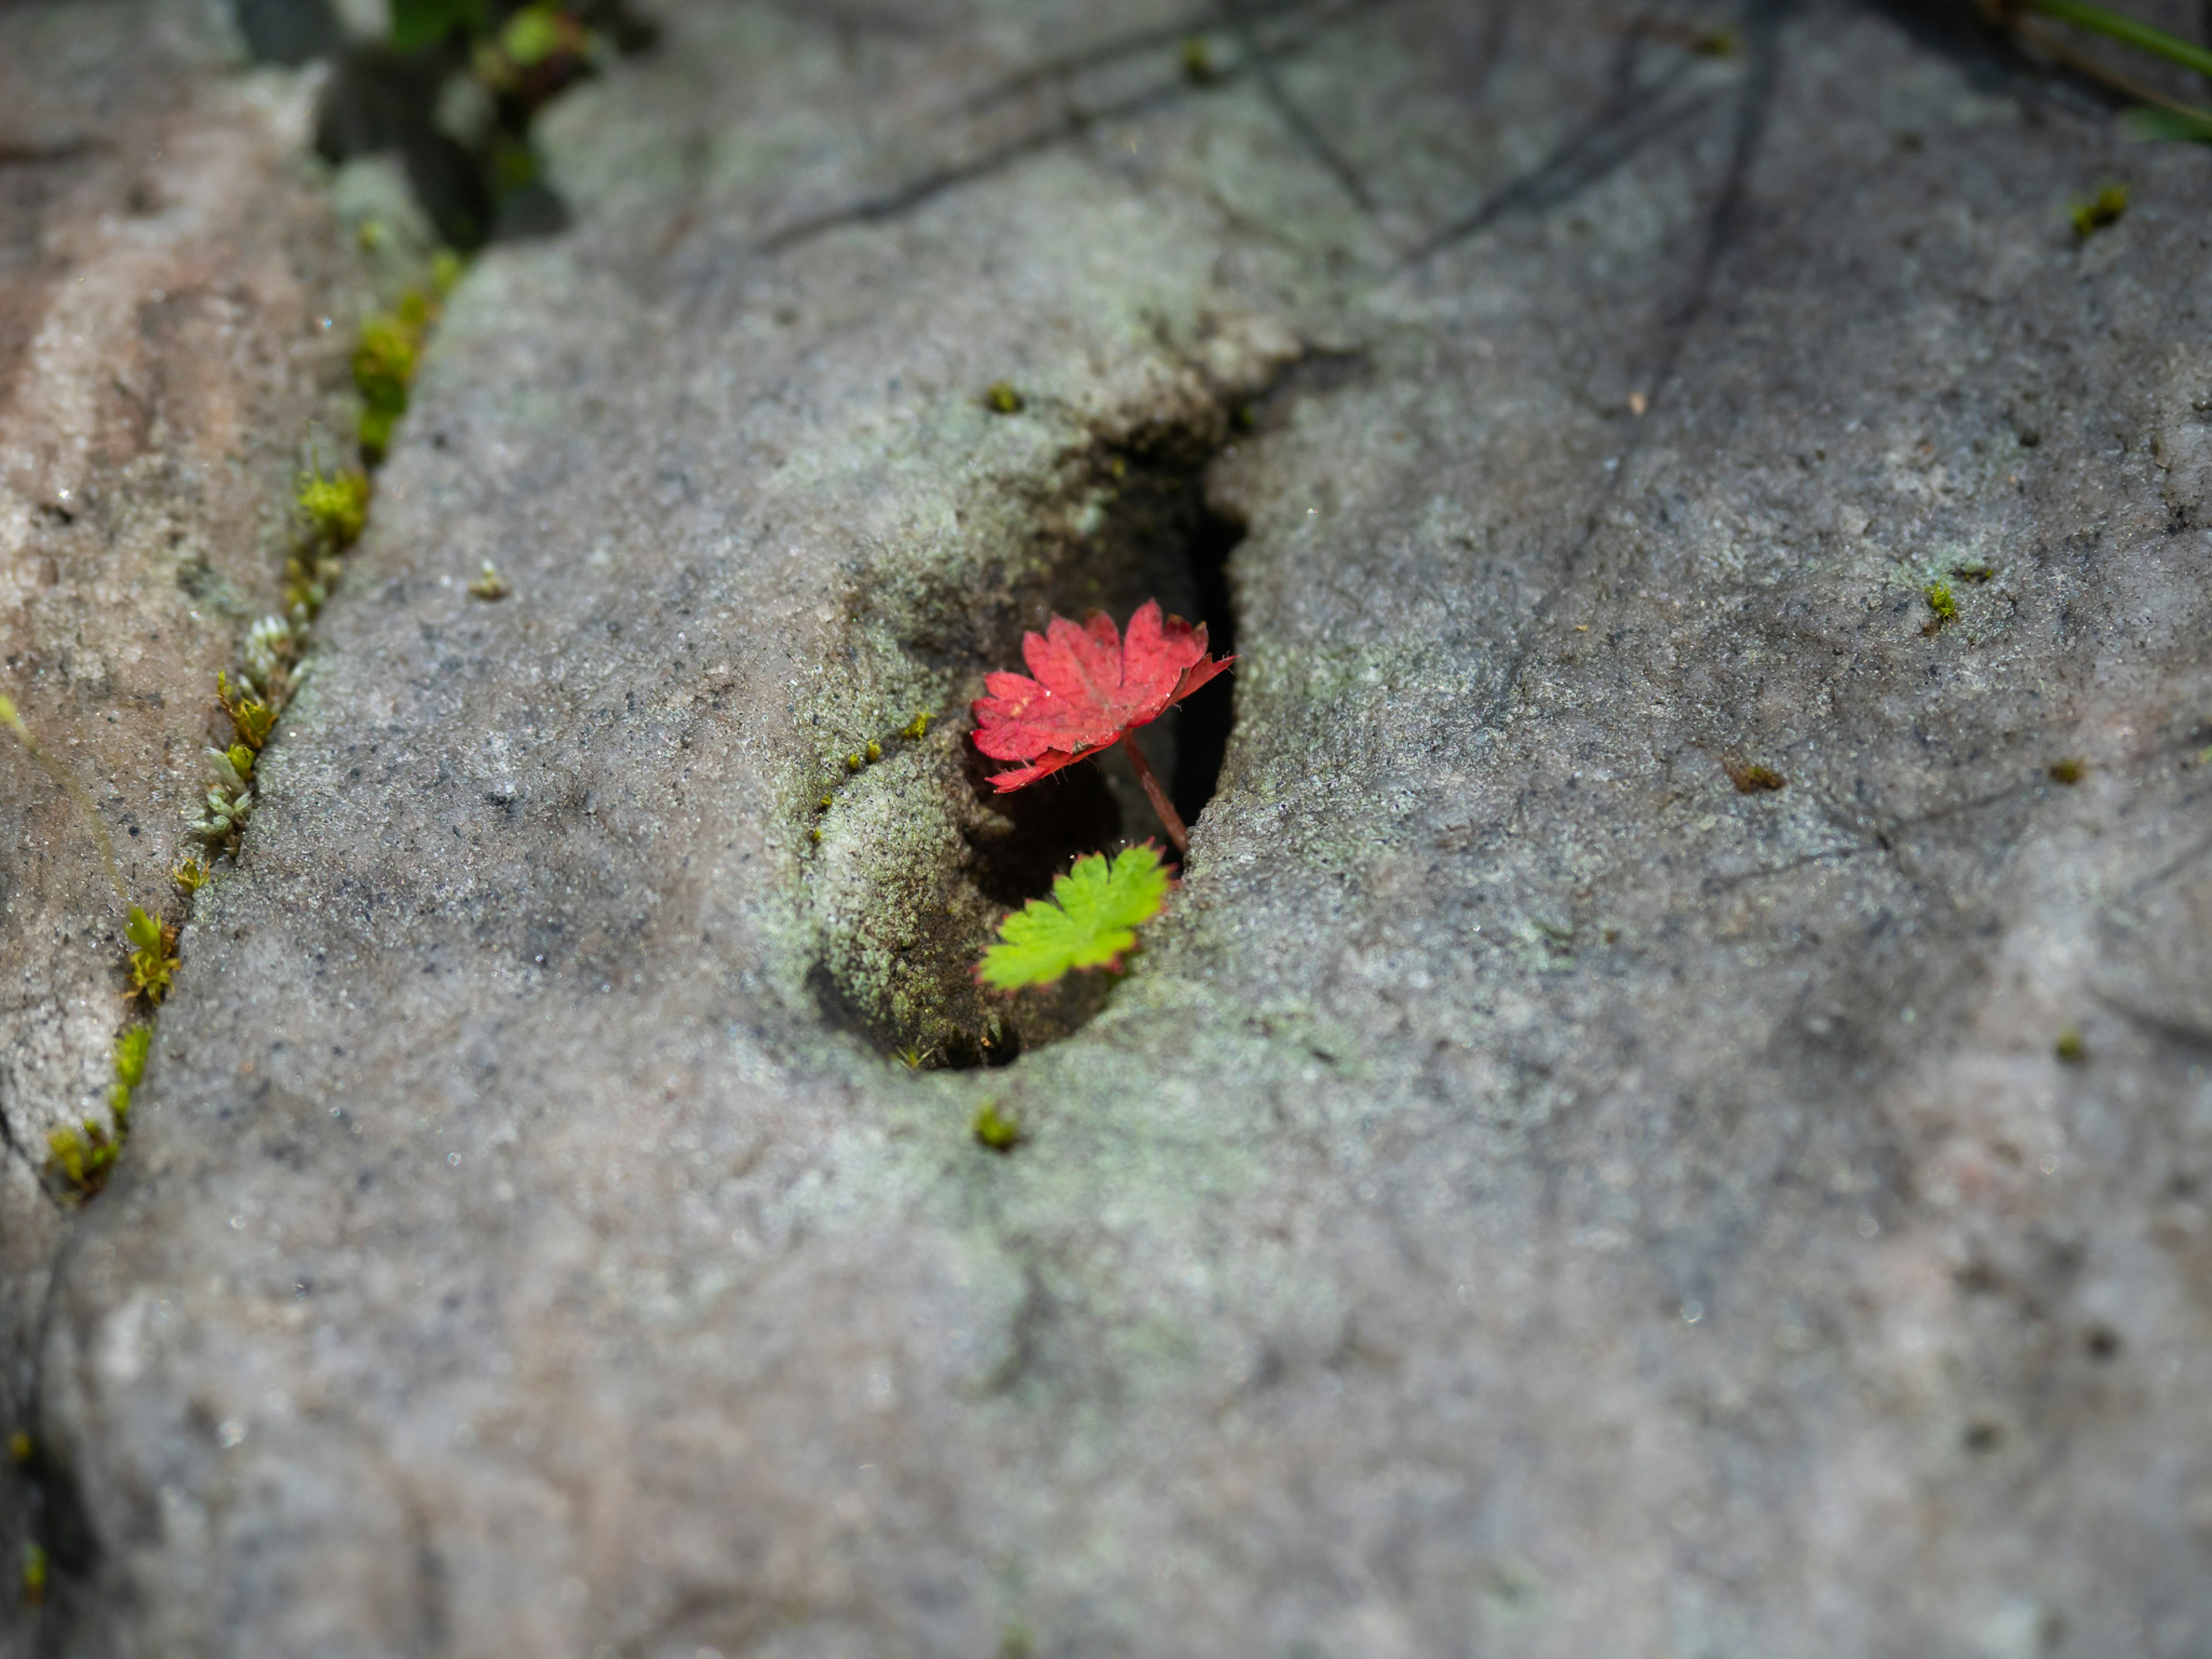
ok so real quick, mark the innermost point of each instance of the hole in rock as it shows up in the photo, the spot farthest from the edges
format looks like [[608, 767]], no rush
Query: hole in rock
[[921, 859], [441, 95]]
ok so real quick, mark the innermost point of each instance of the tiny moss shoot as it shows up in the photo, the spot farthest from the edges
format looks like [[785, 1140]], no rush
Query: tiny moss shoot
[[1750, 779], [34, 1575], [335, 508], [999, 1131], [490, 585], [2068, 1048], [1198, 65], [2067, 771], [2103, 208], [1003, 400], [1941, 602]]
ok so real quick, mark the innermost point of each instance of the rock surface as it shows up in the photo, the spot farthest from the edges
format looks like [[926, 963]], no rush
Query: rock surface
[[1533, 1196], [168, 261]]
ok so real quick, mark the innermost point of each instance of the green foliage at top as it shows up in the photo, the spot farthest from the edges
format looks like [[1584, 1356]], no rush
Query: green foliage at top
[[1941, 601], [534, 34], [419, 23], [1091, 921]]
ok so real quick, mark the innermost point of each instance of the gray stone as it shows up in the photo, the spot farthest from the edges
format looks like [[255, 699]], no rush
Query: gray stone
[[1530, 1196], [167, 264]]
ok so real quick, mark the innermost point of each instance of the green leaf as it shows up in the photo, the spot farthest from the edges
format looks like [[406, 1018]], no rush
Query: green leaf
[[1091, 919], [145, 932]]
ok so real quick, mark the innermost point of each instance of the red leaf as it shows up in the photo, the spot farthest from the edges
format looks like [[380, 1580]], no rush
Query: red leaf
[[1092, 687]]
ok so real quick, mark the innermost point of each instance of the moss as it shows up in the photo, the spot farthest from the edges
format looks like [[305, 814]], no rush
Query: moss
[[1198, 65], [334, 508], [131, 1055], [2068, 1048], [153, 957], [35, 1575], [2103, 208], [251, 718], [1002, 400], [917, 728], [999, 1131], [1750, 779], [490, 585], [2068, 770], [1941, 601], [385, 360]]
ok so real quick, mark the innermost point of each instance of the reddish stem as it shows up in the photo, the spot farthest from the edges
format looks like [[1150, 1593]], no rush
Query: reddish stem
[[1170, 820]]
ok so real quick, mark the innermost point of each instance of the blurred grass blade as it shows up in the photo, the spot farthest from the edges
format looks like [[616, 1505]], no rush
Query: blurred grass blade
[[2129, 31], [2170, 125]]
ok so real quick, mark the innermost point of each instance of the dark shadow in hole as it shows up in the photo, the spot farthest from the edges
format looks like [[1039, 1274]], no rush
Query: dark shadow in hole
[[378, 102], [1203, 722], [1053, 821]]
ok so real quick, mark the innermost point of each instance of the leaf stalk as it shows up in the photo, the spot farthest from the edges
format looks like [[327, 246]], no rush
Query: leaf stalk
[[1170, 820]]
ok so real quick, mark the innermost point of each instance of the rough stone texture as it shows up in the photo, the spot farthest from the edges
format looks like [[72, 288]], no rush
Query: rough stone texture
[[1530, 1198], [167, 259]]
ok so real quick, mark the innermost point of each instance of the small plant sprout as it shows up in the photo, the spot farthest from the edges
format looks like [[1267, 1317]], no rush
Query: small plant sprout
[[489, 584], [1001, 398], [1941, 602], [1092, 688], [189, 874], [34, 1575], [2103, 208], [153, 955], [229, 801], [1091, 921], [272, 647], [1198, 66], [2068, 770], [1751, 778], [917, 728], [999, 1131], [253, 719], [2069, 1048]]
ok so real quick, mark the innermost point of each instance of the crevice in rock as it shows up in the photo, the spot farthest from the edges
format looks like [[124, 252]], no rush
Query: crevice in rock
[[919, 857]]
